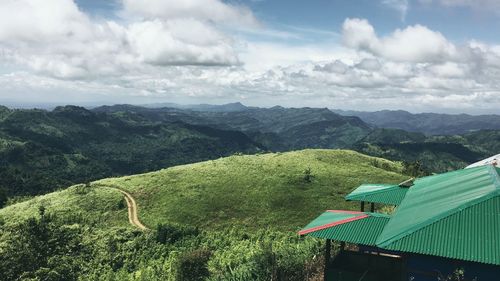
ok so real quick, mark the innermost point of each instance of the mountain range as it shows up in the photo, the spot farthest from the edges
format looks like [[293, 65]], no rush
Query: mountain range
[[43, 150], [427, 123]]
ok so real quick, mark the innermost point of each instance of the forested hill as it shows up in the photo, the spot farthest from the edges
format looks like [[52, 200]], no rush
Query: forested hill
[[427, 123], [44, 150], [278, 128]]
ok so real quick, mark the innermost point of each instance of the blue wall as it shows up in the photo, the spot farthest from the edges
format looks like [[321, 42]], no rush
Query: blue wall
[[426, 268]]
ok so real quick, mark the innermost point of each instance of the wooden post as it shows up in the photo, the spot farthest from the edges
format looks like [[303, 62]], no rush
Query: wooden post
[[372, 209], [362, 206], [328, 247]]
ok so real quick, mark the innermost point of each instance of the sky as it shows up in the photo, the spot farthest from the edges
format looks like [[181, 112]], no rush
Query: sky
[[415, 55]]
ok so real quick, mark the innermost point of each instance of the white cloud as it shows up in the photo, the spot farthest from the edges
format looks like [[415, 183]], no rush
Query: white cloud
[[168, 50], [41, 20], [415, 43], [179, 42], [53, 37], [204, 10]]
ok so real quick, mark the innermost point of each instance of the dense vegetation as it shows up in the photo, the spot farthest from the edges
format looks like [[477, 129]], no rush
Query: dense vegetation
[[44, 150], [427, 123], [41, 150], [434, 153], [282, 129], [230, 219]]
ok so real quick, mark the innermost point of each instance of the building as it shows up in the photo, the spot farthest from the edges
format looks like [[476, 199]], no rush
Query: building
[[442, 224]]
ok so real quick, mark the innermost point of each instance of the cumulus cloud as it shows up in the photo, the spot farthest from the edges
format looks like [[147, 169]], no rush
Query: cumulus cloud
[[180, 50], [415, 43], [205, 10], [54, 37], [180, 42]]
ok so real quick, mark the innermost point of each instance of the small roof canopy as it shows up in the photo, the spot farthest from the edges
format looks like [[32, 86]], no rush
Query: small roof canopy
[[378, 193], [348, 226]]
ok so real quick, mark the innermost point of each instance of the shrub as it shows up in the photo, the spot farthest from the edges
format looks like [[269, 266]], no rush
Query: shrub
[[193, 265], [308, 175], [170, 233]]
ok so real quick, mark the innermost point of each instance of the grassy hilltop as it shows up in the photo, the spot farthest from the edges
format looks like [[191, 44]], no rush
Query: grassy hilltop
[[281, 190]]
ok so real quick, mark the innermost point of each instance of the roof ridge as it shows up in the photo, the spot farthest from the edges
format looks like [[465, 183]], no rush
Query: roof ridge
[[437, 218], [449, 173], [389, 186]]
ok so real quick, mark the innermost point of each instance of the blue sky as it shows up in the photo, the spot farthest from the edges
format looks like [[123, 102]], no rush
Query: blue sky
[[457, 22], [417, 55]]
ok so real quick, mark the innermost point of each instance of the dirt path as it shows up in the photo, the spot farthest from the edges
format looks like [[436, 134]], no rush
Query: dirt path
[[132, 209]]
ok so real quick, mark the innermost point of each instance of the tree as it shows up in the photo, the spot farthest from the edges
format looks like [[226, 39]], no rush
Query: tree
[[42, 249], [3, 197], [413, 169]]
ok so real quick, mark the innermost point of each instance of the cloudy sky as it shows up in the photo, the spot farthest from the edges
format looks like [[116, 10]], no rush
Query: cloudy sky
[[416, 55]]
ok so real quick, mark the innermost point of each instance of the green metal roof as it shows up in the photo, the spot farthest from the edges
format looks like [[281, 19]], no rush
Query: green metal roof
[[471, 234], [358, 227], [454, 215], [446, 205], [378, 193]]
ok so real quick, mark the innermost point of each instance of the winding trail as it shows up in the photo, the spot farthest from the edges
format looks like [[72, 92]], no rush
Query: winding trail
[[132, 209]]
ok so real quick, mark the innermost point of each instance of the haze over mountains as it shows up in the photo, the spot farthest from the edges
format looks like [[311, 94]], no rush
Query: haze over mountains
[[427, 123]]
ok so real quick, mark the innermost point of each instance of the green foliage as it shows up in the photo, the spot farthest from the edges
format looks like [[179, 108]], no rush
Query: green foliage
[[413, 169], [254, 191], [169, 233], [40, 249], [97, 206], [239, 226], [3, 197], [41, 151], [433, 156], [48, 248], [457, 275], [193, 265], [428, 123], [308, 175]]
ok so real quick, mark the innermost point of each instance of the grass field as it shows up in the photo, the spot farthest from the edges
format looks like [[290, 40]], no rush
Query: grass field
[[255, 191], [250, 191], [97, 206]]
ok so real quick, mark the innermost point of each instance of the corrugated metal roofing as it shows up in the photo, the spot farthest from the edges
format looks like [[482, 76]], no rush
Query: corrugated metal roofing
[[331, 218], [363, 231], [436, 197], [378, 193], [471, 234], [454, 215]]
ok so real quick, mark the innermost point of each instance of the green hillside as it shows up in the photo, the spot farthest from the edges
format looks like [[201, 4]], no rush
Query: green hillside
[[44, 150], [255, 191], [435, 153], [234, 218]]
